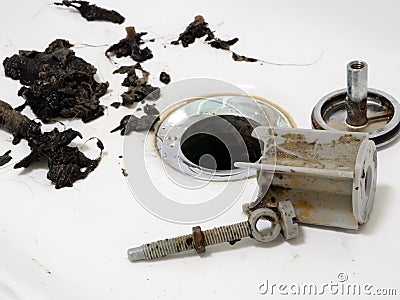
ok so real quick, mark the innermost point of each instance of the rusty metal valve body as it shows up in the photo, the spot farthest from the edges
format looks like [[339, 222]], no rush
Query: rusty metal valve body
[[329, 176]]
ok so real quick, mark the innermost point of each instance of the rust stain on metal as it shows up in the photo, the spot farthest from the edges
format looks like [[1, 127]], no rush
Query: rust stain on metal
[[189, 241], [199, 240], [305, 209], [294, 136], [274, 195], [348, 138]]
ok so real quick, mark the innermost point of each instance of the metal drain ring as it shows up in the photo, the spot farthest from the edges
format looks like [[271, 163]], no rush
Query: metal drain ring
[[336, 102], [359, 109], [175, 123]]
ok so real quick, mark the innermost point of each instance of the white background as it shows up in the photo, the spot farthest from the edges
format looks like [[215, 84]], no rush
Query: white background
[[71, 244]]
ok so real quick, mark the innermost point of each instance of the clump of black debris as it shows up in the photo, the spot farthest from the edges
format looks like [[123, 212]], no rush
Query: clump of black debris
[[138, 87], [165, 78], [198, 29], [66, 164], [237, 57], [20, 126], [131, 46], [5, 158], [224, 45], [57, 83], [195, 30], [92, 12], [131, 123]]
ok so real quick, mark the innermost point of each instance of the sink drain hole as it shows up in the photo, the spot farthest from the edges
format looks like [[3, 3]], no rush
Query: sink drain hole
[[217, 142]]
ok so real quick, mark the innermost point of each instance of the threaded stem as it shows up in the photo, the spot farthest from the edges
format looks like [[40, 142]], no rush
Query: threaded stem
[[230, 233], [168, 246]]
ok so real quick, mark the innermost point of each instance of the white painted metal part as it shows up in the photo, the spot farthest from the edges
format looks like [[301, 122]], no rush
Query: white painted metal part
[[330, 177]]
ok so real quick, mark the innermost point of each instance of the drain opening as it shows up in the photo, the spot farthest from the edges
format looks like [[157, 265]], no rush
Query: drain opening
[[217, 142]]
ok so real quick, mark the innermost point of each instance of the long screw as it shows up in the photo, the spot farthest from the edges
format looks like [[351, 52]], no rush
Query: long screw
[[198, 240]]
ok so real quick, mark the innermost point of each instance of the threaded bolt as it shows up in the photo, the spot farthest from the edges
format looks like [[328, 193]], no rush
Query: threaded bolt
[[198, 240]]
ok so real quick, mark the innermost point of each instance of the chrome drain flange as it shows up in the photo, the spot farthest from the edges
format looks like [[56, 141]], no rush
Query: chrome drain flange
[[195, 127]]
